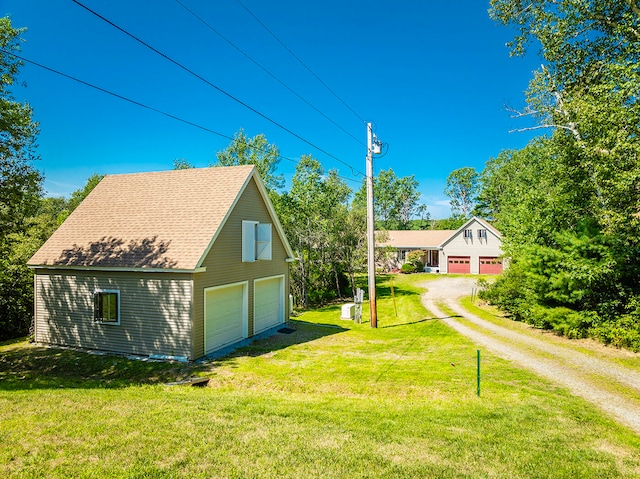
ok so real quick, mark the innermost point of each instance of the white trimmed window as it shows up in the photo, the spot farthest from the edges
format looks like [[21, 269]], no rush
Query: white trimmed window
[[256, 241], [482, 234], [468, 233], [106, 306]]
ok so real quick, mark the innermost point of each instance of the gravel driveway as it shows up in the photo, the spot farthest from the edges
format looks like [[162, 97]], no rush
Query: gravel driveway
[[563, 365]]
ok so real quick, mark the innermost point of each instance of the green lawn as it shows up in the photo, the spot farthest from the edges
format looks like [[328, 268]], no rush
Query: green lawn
[[332, 400]]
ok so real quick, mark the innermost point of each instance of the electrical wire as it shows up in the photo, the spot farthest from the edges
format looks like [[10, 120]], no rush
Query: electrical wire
[[263, 68], [142, 105], [300, 61], [216, 87]]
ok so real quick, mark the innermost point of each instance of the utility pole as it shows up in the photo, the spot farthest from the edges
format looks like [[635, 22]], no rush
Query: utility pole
[[373, 147]]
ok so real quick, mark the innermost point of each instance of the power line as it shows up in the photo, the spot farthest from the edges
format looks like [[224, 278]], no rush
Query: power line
[[263, 68], [142, 105], [104, 90], [300, 61], [224, 92]]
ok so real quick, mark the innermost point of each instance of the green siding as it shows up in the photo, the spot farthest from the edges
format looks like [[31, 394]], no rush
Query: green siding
[[155, 311], [224, 262]]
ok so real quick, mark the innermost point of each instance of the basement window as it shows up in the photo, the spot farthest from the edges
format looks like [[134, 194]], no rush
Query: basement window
[[106, 306]]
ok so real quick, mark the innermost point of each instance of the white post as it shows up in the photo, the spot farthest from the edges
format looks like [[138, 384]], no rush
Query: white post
[[371, 264]]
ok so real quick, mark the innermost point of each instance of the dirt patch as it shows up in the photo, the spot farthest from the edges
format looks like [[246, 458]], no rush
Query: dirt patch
[[450, 288]]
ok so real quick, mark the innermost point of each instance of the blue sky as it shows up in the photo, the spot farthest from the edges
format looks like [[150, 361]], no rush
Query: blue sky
[[433, 77]]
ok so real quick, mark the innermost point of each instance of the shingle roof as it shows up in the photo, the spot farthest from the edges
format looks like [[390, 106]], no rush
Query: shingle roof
[[161, 220], [416, 238]]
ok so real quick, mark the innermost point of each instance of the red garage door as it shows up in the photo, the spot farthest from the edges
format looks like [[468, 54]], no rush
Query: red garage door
[[490, 265], [459, 264]]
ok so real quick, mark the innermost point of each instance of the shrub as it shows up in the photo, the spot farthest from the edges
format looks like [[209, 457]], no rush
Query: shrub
[[408, 268]]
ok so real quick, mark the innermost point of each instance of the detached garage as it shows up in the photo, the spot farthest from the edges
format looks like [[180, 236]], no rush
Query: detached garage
[[175, 263]]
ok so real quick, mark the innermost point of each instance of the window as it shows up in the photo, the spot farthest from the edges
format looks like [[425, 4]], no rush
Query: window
[[467, 233], [482, 234], [256, 241], [106, 306]]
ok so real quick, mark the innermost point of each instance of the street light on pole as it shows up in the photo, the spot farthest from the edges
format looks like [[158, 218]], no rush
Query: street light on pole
[[373, 148]]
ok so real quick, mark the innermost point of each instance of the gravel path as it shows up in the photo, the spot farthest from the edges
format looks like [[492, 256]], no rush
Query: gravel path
[[583, 374]]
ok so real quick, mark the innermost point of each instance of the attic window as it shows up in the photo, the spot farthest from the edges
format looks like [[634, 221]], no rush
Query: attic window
[[106, 306], [467, 233], [256, 241], [482, 234]]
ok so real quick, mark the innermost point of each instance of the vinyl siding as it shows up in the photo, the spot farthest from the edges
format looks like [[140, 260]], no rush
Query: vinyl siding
[[473, 247], [224, 262], [155, 311]]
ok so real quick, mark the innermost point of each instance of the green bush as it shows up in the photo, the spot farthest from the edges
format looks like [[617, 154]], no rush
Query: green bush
[[408, 268], [622, 333]]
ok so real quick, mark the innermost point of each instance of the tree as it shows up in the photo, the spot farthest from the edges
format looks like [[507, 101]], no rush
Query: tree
[[20, 191], [181, 164], [322, 231], [254, 151], [19, 180], [395, 200], [462, 189], [568, 203], [79, 195]]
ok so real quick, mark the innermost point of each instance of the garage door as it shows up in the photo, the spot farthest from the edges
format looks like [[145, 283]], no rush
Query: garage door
[[490, 265], [225, 315], [268, 303], [459, 264]]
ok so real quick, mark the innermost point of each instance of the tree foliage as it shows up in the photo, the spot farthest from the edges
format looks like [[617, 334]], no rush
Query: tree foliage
[[395, 200], [568, 203], [326, 235], [462, 189], [20, 191], [253, 151]]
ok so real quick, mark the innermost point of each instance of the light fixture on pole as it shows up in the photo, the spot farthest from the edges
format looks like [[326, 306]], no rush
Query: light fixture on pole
[[374, 147]]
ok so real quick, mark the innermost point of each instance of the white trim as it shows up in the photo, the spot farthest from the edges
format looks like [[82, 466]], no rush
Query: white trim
[[108, 291], [245, 312], [466, 226], [265, 198], [282, 300], [116, 269]]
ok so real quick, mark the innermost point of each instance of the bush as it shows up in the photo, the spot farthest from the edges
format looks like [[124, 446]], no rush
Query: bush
[[622, 333], [408, 268]]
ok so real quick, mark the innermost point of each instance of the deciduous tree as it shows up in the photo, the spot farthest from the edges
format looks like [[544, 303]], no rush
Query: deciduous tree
[[254, 151], [20, 190]]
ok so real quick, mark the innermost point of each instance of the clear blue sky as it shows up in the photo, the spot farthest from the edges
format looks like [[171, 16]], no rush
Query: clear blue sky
[[433, 77]]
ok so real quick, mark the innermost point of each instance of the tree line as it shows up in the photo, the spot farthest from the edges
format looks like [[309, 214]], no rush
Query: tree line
[[568, 204], [324, 219]]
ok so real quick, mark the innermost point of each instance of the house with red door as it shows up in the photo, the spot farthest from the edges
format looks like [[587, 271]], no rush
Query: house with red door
[[475, 248]]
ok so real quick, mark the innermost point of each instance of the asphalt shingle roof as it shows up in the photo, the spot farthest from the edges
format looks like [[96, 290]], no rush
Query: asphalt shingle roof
[[147, 220], [414, 238]]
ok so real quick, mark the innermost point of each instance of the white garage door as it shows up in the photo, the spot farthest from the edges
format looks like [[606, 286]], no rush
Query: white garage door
[[225, 315], [268, 303]]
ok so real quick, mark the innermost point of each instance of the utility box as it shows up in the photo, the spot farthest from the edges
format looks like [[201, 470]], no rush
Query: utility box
[[348, 311]]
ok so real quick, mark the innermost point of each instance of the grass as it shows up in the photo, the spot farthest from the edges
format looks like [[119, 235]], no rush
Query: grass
[[591, 347], [332, 400]]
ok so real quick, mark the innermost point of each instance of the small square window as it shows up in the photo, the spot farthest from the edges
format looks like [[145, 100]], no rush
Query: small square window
[[482, 234], [468, 233], [106, 306]]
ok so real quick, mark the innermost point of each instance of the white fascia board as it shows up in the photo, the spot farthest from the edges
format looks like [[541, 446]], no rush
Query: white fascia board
[[115, 269]]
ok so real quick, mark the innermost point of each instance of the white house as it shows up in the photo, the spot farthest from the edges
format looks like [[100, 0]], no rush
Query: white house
[[475, 247]]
